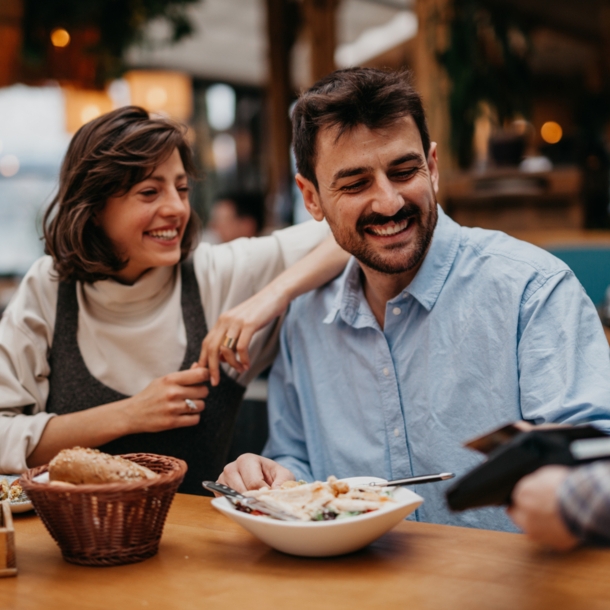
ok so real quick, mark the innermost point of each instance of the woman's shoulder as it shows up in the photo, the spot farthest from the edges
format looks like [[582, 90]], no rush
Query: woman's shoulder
[[40, 281], [34, 303]]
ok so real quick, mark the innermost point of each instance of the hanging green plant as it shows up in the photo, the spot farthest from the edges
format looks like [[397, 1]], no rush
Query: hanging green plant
[[486, 61], [112, 26]]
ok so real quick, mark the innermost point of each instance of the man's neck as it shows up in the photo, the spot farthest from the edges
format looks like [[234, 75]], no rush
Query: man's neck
[[379, 288]]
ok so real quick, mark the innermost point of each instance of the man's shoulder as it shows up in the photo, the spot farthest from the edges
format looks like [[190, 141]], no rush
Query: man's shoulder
[[316, 304], [501, 250]]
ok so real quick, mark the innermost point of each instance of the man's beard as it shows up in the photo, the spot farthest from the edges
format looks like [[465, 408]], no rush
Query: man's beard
[[356, 244]]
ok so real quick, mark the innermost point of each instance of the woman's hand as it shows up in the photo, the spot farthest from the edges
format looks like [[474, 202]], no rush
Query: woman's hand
[[240, 324], [162, 405], [228, 341]]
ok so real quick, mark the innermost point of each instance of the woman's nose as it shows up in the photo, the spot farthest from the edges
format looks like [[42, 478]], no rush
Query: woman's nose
[[174, 204]]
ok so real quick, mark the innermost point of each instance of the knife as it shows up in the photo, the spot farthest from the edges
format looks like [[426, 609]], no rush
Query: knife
[[251, 504], [424, 478]]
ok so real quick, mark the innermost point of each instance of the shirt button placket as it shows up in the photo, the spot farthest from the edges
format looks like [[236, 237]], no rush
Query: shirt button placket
[[399, 452]]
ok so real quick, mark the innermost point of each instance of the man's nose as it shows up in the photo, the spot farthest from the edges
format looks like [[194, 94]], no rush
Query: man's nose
[[387, 199]]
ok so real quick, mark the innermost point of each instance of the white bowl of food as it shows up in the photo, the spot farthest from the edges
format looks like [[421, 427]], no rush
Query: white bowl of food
[[345, 533]]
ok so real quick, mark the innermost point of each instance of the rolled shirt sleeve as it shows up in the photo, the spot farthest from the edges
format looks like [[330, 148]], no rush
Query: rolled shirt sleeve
[[563, 355], [584, 502], [26, 331]]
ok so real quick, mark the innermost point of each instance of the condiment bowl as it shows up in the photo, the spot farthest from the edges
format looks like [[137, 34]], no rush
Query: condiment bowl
[[326, 538]]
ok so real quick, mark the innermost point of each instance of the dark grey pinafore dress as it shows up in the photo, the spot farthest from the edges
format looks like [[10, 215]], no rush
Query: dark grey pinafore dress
[[73, 388]]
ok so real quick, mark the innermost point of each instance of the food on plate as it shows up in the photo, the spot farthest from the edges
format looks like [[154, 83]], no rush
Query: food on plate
[[80, 466], [11, 491], [321, 501]]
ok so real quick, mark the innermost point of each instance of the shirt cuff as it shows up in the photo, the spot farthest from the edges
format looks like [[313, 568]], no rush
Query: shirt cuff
[[300, 471], [584, 502], [19, 436]]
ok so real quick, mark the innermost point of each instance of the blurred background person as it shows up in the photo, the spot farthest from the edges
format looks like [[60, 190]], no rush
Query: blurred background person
[[237, 215]]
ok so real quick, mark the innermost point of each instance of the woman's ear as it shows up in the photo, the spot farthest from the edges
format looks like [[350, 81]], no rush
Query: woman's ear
[[311, 197]]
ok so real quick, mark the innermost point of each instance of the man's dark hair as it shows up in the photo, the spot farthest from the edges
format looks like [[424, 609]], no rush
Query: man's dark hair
[[349, 98], [247, 205], [106, 158]]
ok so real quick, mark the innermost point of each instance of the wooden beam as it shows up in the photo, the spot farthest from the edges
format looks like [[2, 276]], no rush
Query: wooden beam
[[321, 28], [431, 79], [281, 31], [11, 38]]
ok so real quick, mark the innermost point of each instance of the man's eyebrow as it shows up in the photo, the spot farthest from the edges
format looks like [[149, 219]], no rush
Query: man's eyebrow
[[348, 172], [412, 156]]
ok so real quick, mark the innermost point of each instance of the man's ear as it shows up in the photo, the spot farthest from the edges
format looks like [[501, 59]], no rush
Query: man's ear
[[311, 197], [433, 166]]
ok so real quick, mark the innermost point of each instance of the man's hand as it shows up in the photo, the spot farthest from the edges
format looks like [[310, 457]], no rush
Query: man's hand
[[535, 508], [251, 471]]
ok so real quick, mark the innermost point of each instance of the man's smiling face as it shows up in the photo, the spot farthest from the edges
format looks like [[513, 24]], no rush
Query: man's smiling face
[[377, 191]]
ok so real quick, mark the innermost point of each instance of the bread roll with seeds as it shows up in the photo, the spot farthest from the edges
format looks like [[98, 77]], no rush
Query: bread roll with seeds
[[81, 466]]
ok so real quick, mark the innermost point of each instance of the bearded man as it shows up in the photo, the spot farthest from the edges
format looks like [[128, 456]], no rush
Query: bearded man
[[433, 334]]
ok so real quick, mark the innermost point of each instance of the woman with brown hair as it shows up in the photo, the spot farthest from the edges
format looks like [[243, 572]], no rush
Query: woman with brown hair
[[100, 345]]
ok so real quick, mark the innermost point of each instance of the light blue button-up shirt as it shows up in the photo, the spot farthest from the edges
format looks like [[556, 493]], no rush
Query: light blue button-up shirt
[[490, 330]]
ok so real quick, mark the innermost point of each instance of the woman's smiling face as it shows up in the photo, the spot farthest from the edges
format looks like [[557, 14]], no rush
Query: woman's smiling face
[[146, 224]]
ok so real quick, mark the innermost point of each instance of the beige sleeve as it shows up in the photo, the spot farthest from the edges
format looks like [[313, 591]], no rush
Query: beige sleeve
[[26, 332], [228, 274]]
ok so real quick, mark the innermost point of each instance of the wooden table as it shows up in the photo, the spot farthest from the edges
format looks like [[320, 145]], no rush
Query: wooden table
[[206, 561]]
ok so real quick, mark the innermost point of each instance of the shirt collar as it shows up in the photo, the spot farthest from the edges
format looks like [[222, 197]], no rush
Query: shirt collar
[[353, 308], [430, 279]]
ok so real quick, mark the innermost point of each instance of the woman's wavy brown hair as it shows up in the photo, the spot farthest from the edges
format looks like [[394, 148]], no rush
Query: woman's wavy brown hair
[[106, 158]]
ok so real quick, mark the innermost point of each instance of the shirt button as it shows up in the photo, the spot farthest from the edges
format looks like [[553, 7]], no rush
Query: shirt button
[[396, 311], [396, 432], [386, 371]]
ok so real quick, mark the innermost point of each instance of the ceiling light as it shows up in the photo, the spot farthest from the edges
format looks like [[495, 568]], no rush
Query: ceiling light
[[551, 132], [60, 38]]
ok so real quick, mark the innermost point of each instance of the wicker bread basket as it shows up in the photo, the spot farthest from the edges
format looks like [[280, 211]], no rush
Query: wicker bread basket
[[109, 524]]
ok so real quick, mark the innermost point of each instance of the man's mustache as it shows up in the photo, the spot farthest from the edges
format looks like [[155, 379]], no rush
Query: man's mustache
[[407, 211]]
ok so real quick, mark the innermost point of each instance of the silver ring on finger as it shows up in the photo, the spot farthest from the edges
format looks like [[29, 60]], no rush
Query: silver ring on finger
[[190, 404]]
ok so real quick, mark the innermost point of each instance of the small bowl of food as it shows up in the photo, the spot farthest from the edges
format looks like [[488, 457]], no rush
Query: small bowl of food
[[330, 518], [11, 490], [104, 510]]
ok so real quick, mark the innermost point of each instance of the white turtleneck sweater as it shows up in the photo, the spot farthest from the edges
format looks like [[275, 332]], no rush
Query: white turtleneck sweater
[[130, 335]]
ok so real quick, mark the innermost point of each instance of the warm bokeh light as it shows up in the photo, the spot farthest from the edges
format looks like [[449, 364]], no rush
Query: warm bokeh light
[[60, 38], [9, 165], [166, 92], [156, 98], [551, 132], [89, 112], [84, 105]]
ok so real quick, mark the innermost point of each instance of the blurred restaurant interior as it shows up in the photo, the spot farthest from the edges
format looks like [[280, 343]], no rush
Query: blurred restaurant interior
[[517, 95]]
